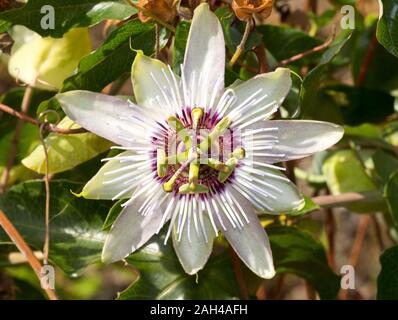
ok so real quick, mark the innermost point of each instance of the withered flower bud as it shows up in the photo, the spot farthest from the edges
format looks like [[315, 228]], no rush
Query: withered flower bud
[[164, 10], [5, 5], [244, 9]]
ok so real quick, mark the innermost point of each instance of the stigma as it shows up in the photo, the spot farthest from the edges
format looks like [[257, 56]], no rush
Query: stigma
[[199, 154]]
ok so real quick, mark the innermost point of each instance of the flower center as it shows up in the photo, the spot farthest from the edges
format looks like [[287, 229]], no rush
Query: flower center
[[199, 154]]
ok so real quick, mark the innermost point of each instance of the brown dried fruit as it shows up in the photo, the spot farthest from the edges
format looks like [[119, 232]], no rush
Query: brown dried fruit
[[244, 9], [165, 10]]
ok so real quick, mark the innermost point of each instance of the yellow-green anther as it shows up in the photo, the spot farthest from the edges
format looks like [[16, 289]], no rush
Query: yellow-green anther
[[220, 128], [178, 126], [178, 158], [239, 153], [161, 163], [168, 186], [184, 189], [198, 188], [197, 114], [194, 172], [191, 188], [175, 123], [231, 164], [217, 165], [217, 131]]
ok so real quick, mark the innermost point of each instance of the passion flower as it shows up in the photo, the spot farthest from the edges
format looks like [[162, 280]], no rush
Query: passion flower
[[196, 155]]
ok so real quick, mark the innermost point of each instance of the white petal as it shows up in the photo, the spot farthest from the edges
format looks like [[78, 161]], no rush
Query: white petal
[[251, 242], [268, 190], [298, 139], [193, 248], [130, 231], [261, 95], [99, 187], [155, 85], [105, 116], [204, 61]]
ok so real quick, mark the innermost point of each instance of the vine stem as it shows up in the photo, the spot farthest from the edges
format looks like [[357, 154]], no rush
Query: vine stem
[[15, 141], [46, 246], [241, 46], [342, 200], [236, 264], [25, 250], [379, 233], [331, 232], [153, 17], [157, 41], [312, 5], [370, 53], [304, 54], [261, 292], [262, 58], [50, 127], [357, 246]]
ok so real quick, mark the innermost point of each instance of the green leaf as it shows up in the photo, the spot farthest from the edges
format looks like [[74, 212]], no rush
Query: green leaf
[[76, 236], [384, 165], [66, 151], [46, 62], [51, 104], [284, 42], [68, 14], [26, 283], [391, 197], [310, 96], [162, 277], [230, 77], [365, 130], [180, 43], [29, 139], [323, 19], [5, 251], [299, 253], [360, 105], [29, 135], [309, 206], [344, 173], [376, 76], [387, 28], [387, 281], [113, 58], [113, 214], [391, 133]]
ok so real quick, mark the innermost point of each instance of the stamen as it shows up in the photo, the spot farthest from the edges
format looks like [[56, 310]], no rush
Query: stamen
[[169, 185], [231, 165], [178, 126], [203, 207], [197, 114], [218, 131], [217, 165], [191, 188], [161, 163], [195, 215], [253, 132], [214, 94], [163, 92]]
